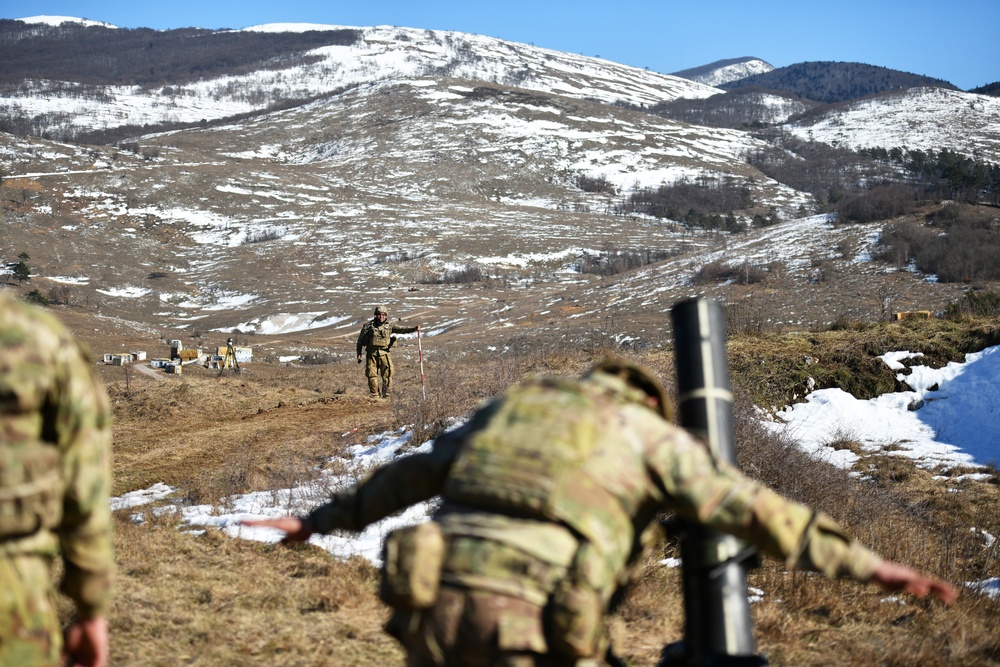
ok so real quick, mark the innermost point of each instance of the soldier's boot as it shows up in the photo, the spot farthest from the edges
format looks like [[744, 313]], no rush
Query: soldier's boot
[[387, 387]]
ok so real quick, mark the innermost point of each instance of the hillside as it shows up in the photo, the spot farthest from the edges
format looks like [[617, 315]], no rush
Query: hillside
[[916, 118], [742, 108], [97, 55], [832, 82], [725, 71], [54, 104]]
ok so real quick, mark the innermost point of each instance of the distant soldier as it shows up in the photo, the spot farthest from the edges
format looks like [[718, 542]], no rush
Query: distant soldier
[[546, 494], [55, 449], [375, 339]]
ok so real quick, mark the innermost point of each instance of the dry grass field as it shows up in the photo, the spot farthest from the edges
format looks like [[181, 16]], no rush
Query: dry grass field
[[187, 598]]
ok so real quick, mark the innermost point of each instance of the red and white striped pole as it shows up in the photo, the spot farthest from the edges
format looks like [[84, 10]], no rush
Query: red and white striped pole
[[420, 350]]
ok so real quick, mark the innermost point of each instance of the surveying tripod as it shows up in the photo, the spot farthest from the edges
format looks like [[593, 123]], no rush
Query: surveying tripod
[[229, 361]]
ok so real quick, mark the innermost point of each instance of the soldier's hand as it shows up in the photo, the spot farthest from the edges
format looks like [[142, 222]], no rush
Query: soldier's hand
[[895, 577], [359, 358], [295, 529], [86, 643]]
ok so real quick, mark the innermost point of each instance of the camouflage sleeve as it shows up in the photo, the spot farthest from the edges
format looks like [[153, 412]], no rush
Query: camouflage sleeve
[[361, 338], [717, 494], [81, 424], [402, 483], [399, 328]]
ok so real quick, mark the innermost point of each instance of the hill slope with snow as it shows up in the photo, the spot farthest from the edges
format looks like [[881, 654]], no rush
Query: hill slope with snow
[[928, 119], [726, 71], [381, 53]]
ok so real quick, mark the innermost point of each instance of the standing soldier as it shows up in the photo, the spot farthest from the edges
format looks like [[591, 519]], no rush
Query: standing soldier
[[546, 494], [376, 338], [55, 450]]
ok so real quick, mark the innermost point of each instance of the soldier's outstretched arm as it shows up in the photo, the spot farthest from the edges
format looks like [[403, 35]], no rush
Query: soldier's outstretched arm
[[403, 329], [404, 482], [296, 529], [718, 495], [895, 577]]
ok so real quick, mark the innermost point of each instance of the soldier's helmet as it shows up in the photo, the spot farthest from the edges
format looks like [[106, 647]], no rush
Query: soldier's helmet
[[381, 310], [635, 377]]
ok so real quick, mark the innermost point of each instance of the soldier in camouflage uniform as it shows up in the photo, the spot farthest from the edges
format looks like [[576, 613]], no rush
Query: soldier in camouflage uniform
[[375, 340], [546, 494], [55, 447]]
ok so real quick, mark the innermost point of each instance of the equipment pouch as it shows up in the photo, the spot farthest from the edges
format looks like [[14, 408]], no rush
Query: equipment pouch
[[411, 570], [575, 611]]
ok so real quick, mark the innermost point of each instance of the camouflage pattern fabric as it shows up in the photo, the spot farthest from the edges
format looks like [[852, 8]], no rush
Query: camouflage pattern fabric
[[374, 342], [474, 628], [29, 628], [55, 444], [555, 467]]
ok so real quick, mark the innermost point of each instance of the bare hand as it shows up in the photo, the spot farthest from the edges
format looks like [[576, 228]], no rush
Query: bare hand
[[295, 529], [896, 577], [86, 643]]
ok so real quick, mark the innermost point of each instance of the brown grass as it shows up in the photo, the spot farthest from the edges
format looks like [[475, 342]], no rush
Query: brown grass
[[212, 600], [775, 369]]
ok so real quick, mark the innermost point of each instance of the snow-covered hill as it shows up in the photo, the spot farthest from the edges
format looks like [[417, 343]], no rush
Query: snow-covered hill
[[382, 53], [928, 118], [917, 119], [61, 20], [725, 71]]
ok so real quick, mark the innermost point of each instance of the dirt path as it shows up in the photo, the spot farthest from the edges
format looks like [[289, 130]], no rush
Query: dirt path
[[146, 370]]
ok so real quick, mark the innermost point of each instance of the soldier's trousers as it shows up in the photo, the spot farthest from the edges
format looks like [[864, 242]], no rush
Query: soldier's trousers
[[30, 635], [469, 628], [378, 370]]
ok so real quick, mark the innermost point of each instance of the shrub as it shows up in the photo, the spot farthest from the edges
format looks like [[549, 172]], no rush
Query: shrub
[[740, 274], [264, 235], [318, 358], [703, 203], [880, 203], [957, 244], [598, 184], [467, 274], [60, 294], [975, 304], [36, 297], [612, 262]]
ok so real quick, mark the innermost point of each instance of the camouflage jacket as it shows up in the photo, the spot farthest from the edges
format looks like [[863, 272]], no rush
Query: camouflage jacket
[[375, 336], [636, 466], [55, 449]]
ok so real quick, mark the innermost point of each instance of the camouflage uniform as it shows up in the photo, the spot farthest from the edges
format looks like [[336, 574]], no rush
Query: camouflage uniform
[[55, 443], [547, 492], [375, 339]]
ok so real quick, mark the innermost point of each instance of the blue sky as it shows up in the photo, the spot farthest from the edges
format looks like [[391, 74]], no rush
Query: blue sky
[[955, 41]]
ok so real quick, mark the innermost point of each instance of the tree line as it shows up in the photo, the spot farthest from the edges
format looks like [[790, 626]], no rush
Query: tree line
[[832, 82], [945, 174], [97, 55]]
